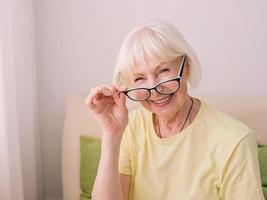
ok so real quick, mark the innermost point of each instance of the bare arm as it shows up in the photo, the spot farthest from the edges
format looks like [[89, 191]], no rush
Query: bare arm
[[107, 183], [109, 109], [125, 185]]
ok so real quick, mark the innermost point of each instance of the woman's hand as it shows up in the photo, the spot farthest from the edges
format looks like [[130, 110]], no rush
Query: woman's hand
[[108, 106]]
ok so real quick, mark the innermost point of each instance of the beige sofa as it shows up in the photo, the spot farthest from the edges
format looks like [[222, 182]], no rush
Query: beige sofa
[[78, 121]]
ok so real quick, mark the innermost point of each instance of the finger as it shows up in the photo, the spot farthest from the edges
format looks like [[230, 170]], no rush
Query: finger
[[104, 102], [121, 97], [101, 92], [95, 94], [107, 92], [89, 100], [112, 89]]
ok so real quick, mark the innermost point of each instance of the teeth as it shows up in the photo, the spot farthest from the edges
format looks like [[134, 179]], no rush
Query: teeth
[[162, 100]]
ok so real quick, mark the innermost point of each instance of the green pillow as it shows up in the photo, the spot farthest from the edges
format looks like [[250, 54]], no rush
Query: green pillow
[[89, 158], [262, 150], [264, 189]]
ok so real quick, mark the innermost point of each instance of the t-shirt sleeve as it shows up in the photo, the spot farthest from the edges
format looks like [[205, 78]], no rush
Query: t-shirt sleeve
[[242, 175], [125, 153]]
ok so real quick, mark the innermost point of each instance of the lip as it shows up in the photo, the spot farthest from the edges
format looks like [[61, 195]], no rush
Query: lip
[[162, 104]]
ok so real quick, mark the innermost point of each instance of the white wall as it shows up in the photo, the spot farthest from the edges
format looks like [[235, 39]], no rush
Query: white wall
[[78, 41], [19, 122], [5, 179], [10, 147]]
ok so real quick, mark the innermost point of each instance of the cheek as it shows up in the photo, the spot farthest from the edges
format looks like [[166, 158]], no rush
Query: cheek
[[183, 88], [180, 95]]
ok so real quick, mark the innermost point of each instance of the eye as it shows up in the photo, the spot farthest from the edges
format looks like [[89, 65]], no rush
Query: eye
[[164, 70], [138, 79]]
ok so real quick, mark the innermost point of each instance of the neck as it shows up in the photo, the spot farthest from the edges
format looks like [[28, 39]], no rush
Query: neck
[[169, 125]]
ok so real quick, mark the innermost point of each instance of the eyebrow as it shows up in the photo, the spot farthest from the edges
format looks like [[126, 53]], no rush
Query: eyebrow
[[157, 67]]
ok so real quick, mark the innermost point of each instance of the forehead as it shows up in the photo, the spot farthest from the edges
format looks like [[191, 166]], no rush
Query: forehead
[[151, 66]]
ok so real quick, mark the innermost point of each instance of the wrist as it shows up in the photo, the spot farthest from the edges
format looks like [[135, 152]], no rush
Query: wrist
[[109, 139]]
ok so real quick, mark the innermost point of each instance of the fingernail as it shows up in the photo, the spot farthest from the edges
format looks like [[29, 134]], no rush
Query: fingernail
[[118, 93]]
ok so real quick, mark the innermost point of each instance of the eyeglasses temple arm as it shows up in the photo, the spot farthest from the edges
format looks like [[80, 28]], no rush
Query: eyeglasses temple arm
[[182, 66]]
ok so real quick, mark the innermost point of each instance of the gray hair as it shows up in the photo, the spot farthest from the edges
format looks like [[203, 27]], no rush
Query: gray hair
[[156, 40]]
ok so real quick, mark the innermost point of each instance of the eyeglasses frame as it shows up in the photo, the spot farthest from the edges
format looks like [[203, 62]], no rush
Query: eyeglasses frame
[[178, 79]]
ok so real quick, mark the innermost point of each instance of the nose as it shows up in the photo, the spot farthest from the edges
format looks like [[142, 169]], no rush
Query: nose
[[153, 93]]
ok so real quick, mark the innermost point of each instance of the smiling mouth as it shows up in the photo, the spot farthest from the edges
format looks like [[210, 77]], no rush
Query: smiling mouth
[[162, 101]]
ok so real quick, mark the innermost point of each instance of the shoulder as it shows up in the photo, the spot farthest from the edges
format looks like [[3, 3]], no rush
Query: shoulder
[[225, 134], [224, 126]]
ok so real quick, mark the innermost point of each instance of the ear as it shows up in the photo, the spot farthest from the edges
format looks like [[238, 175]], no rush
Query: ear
[[187, 70]]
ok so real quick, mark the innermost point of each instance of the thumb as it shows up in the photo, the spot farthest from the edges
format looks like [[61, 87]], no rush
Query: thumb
[[122, 99], [121, 96]]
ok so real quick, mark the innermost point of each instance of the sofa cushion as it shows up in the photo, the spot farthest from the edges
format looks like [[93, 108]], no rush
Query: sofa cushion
[[89, 159]]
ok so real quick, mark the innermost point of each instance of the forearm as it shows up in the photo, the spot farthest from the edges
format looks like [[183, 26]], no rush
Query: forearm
[[107, 183]]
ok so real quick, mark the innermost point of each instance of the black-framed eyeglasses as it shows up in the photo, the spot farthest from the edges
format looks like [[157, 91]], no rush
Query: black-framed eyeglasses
[[165, 87]]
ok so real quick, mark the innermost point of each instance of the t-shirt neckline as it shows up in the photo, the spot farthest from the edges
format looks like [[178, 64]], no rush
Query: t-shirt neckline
[[184, 133]]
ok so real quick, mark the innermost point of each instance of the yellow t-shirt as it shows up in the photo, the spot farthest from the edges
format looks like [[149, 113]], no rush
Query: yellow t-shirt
[[214, 158]]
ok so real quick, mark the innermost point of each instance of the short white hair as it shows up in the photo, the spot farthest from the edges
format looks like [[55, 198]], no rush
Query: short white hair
[[157, 40]]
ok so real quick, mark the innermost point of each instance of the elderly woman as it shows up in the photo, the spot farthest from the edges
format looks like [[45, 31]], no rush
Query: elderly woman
[[174, 146]]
